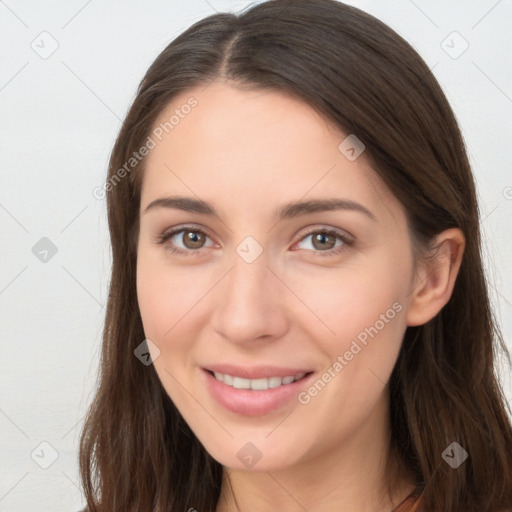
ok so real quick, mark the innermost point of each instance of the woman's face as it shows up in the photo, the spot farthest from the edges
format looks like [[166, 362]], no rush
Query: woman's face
[[276, 284]]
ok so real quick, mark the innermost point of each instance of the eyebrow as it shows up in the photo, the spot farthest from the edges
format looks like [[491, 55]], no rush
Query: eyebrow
[[286, 211]]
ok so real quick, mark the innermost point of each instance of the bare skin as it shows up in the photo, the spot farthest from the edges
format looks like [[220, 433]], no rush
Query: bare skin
[[298, 304]]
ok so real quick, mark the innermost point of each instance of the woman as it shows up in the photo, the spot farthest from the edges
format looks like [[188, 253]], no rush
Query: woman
[[296, 251]]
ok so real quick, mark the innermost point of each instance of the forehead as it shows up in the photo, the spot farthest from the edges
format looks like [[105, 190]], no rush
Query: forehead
[[252, 148]]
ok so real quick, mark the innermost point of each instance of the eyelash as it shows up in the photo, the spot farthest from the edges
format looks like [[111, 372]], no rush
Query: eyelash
[[331, 252]]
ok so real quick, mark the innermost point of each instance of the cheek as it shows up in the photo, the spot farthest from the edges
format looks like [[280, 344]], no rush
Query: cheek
[[156, 305], [166, 298], [365, 307], [173, 303], [359, 327], [349, 299], [166, 294]]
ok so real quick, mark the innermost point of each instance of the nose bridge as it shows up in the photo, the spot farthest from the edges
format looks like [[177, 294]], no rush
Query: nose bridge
[[247, 285], [248, 305]]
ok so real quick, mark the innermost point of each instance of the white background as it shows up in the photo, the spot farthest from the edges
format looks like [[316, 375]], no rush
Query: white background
[[59, 118]]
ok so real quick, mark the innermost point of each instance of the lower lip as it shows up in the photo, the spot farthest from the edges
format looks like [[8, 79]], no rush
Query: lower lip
[[253, 402]]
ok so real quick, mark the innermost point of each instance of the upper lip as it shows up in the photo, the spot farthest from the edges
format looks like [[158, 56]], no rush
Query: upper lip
[[256, 372]]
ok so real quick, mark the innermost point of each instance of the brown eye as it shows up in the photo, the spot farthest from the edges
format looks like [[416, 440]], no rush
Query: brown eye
[[185, 241], [193, 239], [326, 242], [323, 241]]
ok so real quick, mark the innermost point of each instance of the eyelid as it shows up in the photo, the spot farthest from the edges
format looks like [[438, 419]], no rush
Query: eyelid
[[324, 228]]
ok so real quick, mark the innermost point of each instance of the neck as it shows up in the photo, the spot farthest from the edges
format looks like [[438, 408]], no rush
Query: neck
[[355, 477]]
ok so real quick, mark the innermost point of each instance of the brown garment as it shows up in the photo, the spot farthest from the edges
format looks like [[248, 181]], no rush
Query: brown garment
[[410, 504]]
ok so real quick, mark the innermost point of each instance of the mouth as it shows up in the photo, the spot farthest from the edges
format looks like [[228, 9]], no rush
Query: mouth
[[269, 390]]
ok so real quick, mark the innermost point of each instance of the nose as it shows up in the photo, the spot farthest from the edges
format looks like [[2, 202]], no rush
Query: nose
[[250, 303]]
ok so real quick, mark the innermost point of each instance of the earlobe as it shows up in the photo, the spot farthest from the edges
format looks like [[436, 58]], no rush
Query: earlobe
[[435, 282]]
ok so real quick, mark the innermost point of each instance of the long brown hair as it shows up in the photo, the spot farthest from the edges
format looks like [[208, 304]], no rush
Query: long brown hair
[[136, 451]]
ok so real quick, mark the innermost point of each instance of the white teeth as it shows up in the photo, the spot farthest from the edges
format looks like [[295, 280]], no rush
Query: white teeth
[[259, 384], [240, 383], [256, 384], [274, 382]]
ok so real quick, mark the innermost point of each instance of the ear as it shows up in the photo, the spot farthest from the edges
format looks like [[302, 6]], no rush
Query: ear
[[436, 279]]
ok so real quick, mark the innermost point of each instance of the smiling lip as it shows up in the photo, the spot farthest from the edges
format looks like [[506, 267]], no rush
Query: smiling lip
[[250, 402]]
